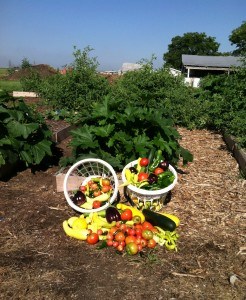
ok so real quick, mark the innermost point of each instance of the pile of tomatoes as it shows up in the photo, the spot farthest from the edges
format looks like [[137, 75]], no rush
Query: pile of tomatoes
[[131, 239]]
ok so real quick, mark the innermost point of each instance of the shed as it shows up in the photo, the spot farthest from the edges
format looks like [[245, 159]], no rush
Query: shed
[[201, 64]]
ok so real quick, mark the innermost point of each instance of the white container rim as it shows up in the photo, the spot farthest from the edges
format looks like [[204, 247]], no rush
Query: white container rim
[[148, 192], [113, 196]]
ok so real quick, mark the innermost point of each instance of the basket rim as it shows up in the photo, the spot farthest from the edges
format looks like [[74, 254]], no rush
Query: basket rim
[[148, 192], [112, 198]]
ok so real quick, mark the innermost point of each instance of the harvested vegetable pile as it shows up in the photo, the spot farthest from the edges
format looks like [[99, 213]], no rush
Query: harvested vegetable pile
[[37, 259]]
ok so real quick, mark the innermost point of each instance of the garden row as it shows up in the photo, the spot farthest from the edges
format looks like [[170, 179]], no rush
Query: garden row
[[122, 120]]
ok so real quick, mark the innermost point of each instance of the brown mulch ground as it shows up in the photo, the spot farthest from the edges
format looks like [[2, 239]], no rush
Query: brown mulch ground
[[38, 261]]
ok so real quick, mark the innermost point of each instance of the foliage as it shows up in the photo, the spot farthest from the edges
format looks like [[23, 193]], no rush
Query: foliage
[[10, 85], [78, 88], [23, 134], [25, 63], [190, 43], [31, 81], [223, 99], [156, 89], [238, 38], [118, 134]]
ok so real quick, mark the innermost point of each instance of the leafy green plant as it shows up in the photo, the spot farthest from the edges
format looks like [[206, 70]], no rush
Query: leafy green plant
[[23, 134], [78, 88], [225, 99], [121, 134]]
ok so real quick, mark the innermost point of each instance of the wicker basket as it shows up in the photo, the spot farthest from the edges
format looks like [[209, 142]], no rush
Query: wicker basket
[[85, 170], [153, 200]]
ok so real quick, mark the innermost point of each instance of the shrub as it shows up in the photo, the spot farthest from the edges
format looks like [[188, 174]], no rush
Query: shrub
[[23, 134], [78, 88], [120, 134]]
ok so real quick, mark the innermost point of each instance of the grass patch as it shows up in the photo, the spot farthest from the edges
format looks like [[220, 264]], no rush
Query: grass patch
[[10, 85], [3, 71]]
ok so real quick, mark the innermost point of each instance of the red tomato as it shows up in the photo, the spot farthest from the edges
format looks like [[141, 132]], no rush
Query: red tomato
[[99, 232], [105, 188], [151, 243], [115, 244], [142, 176], [123, 227], [83, 188], [147, 225], [96, 204], [94, 186], [158, 171], [132, 248], [120, 248], [126, 215], [138, 232], [105, 181], [144, 162], [140, 247], [144, 243], [109, 243], [132, 232], [97, 193], [119, 236], [130, 239], [123, 243], [92, 238], [113, 230], [147, 234], [110, 236]]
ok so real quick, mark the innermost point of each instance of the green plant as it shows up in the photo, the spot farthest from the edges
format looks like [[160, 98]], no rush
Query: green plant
[[23, 134], [121, 134], [78, 88], [225, 99]]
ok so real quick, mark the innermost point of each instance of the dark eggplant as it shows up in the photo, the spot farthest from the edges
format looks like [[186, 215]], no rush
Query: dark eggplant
[[133, 170], [79, 198], [112, 214], [152, 178], [164, 165]]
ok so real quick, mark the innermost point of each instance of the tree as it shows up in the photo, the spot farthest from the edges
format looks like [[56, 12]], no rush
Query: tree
[[190, 43], [238, 38], [25, 63]]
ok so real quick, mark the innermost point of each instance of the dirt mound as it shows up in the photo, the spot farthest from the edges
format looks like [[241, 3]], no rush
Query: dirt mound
[[42, 69]]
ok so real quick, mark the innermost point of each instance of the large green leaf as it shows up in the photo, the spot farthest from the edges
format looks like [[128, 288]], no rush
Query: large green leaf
[[104, 131], [17, 129], [84, 138]]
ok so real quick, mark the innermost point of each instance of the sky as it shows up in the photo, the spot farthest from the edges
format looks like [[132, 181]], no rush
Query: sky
[[119, 31]]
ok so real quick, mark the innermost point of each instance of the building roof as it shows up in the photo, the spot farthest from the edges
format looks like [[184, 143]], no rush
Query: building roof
[[211, 61]]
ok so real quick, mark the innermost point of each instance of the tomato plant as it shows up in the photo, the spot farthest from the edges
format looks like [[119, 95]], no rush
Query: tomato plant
[[144, 162], [126, 215], [92, 238], [142, 176]]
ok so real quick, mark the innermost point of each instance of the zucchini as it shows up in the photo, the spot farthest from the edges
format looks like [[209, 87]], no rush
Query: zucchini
[[159, 220]]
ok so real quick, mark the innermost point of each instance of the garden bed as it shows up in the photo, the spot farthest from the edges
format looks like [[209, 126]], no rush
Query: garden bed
[[39, 261]]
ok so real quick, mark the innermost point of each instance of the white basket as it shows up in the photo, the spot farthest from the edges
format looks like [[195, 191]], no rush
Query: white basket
[[87, 169], [153, 200]]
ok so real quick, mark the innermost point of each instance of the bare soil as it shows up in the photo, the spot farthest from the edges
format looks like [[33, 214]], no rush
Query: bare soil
[[38, 261]]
